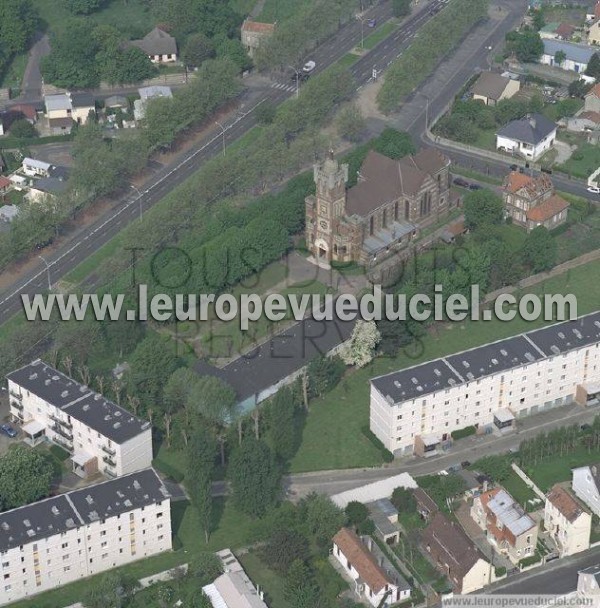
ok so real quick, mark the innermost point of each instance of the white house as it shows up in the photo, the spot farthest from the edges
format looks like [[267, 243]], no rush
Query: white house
[[567, 522], [378, 586], [98, 434], [588, 585], [586, 486], [158, 45], [35, 168], [72, 536], [530, 137], [577, 56], [522, 375], [44, 188], [146, 94], [492, 87]]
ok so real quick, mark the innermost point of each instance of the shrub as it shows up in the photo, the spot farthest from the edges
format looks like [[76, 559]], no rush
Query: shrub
[[500, 571], [466, 432]]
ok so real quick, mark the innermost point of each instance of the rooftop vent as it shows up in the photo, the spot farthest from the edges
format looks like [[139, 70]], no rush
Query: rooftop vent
[[561, 335], [117, 425], [93, 515], [577, 334], [5, 526], [437, 372], [27, 523], [136, 485], [494, 361], [451, 381], [86, 407], [47, 381], [414, 380], [97, 397], [118, 413], [128, 503], [55, 377], [55, 510], [89, 499], [33, 376], [64, 394], [107, 417], [503, 352], [470, 376], [120, 494], [420, 389], [70, 523], [597, 324], [529, 357], [30, 532], [555, 349]]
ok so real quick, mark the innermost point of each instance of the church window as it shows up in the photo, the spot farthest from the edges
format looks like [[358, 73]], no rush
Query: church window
[[384, 218], [396, 211], [406, 210], [371, 225]]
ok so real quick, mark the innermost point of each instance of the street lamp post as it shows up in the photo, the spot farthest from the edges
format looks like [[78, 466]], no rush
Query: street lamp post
[[139, 199], [362, 31], [426, 111], [297, 80], [47, 270], [223, 133]]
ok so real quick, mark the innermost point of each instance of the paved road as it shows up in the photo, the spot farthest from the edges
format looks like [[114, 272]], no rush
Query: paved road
[[31, 85], [556, 578], [127, 210]]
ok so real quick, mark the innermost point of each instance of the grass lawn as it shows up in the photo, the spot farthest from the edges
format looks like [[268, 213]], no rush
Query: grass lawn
[[513, 236], [270, 582], [332, 437], [486, 139], [516, 487], [348, 60], [558, 468], [281, 10], [13, 75], [584, 166]]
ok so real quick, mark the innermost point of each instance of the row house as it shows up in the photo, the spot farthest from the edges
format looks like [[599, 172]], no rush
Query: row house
[[416, 409], [78, 534], [99, 435], [567, 522]]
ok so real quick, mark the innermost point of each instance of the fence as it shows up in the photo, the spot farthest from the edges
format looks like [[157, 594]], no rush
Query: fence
[[528, 481]]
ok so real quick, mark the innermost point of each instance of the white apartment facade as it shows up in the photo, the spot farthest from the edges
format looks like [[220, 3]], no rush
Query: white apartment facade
[[568, 524], [417, 409], [99, 434], [75, 535], [586, 486]]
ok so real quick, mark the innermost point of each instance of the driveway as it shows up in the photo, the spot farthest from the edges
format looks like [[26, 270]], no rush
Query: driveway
[[31, 85]]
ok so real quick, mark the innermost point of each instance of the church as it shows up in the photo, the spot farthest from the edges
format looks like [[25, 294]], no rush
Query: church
[[382, 213]]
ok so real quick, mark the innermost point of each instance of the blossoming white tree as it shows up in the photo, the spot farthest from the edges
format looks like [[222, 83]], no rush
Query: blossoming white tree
[[360, 349]]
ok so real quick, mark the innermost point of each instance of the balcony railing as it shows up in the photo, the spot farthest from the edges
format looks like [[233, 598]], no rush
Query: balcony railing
[[16, 405], [58, 429], [108, 450], [63, 443], [60, 421], [109, 461], [16, 395], [109, 473]]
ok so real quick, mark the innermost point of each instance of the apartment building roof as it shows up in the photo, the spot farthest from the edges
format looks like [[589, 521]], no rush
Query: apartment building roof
[[78, 401], [59, 514], [565, 503], [507, 511], [524, 349], [362, 559]]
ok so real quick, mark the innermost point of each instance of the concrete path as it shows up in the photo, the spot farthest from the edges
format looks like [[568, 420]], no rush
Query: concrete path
[[31, 85]]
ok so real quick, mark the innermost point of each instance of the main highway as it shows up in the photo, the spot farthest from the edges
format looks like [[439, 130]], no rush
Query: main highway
[[87, 241]]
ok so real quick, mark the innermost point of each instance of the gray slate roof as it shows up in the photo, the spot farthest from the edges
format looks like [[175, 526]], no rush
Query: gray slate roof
[[50, 185], [79, 401], [59, 514], [157, 42], [580, 53], [518, 351], [531, 130], [490, 85]]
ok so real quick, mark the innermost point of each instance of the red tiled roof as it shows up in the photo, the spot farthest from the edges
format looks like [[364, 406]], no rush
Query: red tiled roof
[[362, 559], [565, 30], [593, 116], [595, 90], [548, 209], [4, 182], [257, 27], [565, 503], [534, 185], [25, 109]]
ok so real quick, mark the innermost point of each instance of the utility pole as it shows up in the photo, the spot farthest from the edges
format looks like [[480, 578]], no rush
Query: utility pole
[[362, 31], [223, 133], [297, 80]]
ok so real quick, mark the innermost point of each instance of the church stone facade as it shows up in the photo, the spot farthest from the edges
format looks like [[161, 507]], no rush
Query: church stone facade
[[382, 213]]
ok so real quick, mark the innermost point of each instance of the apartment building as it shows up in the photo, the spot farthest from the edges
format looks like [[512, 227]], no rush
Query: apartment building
[[416, 409], [69, 537], [506, 524], [99, 434], [586, 486], [567, 522]]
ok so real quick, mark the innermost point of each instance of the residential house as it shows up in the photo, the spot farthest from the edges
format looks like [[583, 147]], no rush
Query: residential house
[[592, 99], [385, 517], [83, 105], [426, 506], [377, 581], [594, 15], [455, 555], [35, 168], [586, 486], [558, 31], [577, 56], [72, 536], [46, 187], [5, 184], [98, 434], [25, 111], [529, 373], [588, 585], [381, 214], [529, 137], [59, 111], [506, 524], [233, 588], [116, 101], [8, 213], [532, 201], [492, 87], [594, 33], [158, 45], [18, 181], [146, 94], [254, 34], [567, 522]]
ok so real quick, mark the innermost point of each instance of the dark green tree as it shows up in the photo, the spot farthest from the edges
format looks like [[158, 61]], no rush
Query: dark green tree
[[323, 374], [198, 48], [539, 250], [394, 144], [18, 22], [404, 500], [593, 67], [283, 548], [301, 589], [283, 433], [205, 567], [255, 477], [401, 8], [527, 45], [112, 589], [323, 518], [83, 7], [23, 128], [482, 208], [356, 512]]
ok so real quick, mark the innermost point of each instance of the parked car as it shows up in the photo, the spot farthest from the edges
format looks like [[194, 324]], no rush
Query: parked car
[[309, 66], [546, 170], [514, 167], [475, 187], [372, 22], [8, 430], [594, 190], [459, 181], [585, 427], [465, 464], [443, 472], [454, 468]]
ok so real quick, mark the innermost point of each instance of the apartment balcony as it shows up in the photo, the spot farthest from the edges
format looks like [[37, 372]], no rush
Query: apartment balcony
[[62, 432], [108, 450], [16, 395], [64, 423], [16, 405], [63, 443], [109, 461], [109, 473]]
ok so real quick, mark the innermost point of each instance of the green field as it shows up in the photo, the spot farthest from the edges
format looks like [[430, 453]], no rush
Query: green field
[[270, 582], [281, 10], [332, 436], [582, 167]]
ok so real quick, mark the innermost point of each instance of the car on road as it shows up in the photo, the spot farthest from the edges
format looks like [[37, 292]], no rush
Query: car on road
[[465, 464], [309, 66], [459, 181], [8, 430], [514, 167], [372, 22], [594, 190], [475, 187]]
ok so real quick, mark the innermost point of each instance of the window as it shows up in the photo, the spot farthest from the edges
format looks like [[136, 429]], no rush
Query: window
[[65, 545], [371, 225], [103, 533]]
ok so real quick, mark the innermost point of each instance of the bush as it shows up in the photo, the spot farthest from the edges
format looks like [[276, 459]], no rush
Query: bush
[[58, 453], [385, 453], [529, 561], [462, 433], [499, 571]]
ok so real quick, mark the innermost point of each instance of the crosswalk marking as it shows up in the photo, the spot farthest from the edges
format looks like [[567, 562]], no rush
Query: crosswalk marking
[[283, 87]]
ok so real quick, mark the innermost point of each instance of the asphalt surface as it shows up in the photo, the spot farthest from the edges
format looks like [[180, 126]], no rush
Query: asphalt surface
[[127, 210]]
